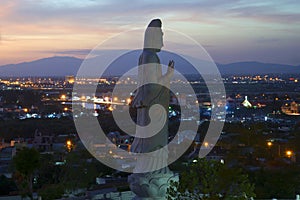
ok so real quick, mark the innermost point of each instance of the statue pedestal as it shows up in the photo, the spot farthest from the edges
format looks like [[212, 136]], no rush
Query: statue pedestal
[[151, 185]]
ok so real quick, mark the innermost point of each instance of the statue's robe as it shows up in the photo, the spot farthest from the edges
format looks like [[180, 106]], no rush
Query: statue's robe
[[156, 92]]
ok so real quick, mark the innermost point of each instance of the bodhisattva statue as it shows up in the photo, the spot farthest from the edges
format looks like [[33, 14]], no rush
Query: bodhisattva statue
[[151, 176]]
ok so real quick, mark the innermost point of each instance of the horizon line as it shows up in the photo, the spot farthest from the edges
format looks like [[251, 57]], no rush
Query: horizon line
[[78, 57]]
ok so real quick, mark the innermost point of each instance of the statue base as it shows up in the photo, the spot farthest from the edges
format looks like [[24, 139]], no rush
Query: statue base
[[151, 185]]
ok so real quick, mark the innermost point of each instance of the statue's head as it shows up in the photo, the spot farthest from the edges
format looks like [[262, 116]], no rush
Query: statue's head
[[154, 36]]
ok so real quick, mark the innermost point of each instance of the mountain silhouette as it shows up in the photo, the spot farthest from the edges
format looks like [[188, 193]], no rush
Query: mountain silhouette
[[53, 66], [62, 66], [252, 68]]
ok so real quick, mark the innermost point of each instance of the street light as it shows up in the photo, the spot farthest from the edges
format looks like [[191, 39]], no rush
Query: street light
[[110, 108], [269, 144], [69, 145], [63, 97], [289, 153], [206, 144]]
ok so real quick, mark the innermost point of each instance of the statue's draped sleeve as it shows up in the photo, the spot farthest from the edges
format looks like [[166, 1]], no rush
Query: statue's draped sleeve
[[149, 73]]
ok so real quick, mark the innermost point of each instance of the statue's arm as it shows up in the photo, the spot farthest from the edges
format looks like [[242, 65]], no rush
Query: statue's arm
[[165, 79]]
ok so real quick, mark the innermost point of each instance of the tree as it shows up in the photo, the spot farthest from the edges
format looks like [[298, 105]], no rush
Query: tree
[[48, 172], [49, 192], [26, 162], [78, 172], [277, 183], [208, 180], [6, 185]]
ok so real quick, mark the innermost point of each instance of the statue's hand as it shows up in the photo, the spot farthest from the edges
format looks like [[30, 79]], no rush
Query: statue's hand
[[171, 64], [171, 68]]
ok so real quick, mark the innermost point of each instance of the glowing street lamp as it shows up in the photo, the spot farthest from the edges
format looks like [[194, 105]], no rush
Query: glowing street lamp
[[83, 98], [110, 108], [69, 145], [63, 97], [206, 144], [269, 144], [289, 153]]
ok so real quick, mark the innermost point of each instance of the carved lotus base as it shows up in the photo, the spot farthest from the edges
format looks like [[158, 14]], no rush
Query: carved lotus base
[[152, 185]]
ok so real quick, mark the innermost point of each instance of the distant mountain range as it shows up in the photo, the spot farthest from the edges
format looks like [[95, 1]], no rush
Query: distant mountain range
[[257, 68], [53, 66], [62, 66]]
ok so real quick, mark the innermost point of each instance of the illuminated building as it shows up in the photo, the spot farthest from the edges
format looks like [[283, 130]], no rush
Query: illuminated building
[[291, 109], [246, 103], [70, 79]]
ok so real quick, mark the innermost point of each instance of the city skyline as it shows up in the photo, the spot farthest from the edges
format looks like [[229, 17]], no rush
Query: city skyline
[[230, 31]]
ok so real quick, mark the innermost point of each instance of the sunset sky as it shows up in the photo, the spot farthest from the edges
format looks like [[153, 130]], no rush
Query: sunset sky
[[230, 30]]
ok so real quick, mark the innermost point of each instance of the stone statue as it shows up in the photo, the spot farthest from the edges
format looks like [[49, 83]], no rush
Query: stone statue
[[155, 92], [152, 101]]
